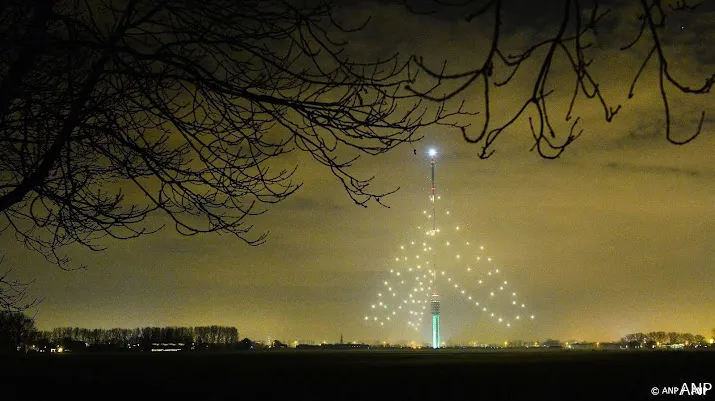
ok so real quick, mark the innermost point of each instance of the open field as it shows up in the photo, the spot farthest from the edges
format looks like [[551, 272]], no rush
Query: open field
[[356, 374]]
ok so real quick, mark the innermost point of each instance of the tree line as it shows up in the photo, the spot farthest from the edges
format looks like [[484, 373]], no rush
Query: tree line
[[18, 332], [665, 338], [214, 334]]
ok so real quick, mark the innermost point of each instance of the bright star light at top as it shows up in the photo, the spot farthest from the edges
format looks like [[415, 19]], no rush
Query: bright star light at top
[[432, 152]]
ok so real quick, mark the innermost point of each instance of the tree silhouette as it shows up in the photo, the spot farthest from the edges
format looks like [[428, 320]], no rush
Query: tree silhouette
[[571, 40], [16, 331], [113, 110], [13, 294]]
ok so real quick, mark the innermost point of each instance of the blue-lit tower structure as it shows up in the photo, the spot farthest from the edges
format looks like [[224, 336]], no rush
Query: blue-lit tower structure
[[434, 302]]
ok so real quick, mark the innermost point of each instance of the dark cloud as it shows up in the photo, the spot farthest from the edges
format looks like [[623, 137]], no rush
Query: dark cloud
[[634, 168]]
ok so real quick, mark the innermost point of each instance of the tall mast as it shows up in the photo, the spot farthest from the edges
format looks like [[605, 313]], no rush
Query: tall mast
[[432, 154], [434, 302]]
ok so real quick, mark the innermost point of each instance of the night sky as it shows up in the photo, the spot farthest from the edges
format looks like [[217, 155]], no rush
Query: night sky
[[616, 236]]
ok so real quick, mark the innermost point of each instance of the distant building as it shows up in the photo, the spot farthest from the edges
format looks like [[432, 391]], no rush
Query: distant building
[[170, 347], [551, 344], [333, 346], [74, 346], [582, 346], [610, 346], [307, 346], [344, 346]]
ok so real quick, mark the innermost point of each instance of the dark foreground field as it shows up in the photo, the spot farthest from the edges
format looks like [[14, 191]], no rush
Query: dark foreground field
[[359, 374]]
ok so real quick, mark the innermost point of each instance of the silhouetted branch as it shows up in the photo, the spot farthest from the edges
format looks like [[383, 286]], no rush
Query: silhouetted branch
[[569, 42], [112, 111], [13, 294]]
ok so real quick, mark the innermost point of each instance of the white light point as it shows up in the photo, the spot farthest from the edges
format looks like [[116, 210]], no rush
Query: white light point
[[432, 152]]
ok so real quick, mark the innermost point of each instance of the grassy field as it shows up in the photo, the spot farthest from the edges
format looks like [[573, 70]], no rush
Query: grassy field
[[356, 374]]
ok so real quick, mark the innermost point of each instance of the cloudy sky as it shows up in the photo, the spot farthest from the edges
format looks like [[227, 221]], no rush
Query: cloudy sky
[[616, 236]]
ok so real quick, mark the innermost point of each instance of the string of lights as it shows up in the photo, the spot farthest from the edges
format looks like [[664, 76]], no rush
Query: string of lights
[[466, 273]]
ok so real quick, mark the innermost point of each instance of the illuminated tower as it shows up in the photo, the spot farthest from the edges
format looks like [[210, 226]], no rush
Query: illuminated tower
[[434, 303], [434, 306]]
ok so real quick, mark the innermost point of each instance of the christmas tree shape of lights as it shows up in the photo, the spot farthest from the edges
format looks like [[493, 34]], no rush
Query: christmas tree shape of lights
[[414, 274]]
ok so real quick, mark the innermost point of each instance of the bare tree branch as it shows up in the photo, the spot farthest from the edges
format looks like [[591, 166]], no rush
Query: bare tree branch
[[13, 294], [112, 111], [568, 41]]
